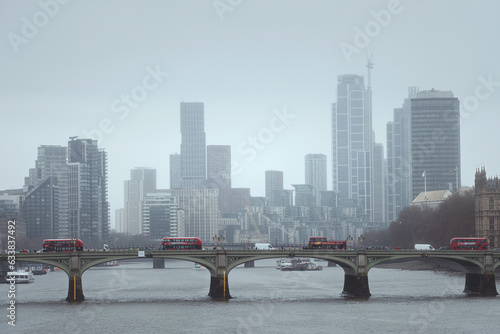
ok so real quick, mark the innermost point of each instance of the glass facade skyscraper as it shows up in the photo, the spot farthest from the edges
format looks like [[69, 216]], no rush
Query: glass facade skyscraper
[[274, 182], [51, 162], [435, 142], [193, 146], [399, 193], [352, 142], [142, 181], [88, 192], [315, 168]]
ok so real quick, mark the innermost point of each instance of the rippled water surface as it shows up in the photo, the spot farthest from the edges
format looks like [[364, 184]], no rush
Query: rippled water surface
[[134, 298]]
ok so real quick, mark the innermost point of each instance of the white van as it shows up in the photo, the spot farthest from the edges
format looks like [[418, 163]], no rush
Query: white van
[[423, 247], [264, 246]]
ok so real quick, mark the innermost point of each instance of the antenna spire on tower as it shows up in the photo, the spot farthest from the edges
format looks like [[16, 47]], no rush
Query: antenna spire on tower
[[369, 66]]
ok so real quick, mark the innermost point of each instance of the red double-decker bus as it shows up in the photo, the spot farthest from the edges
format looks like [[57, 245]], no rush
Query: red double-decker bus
[[469, 243], [181, 243], [62, 245], [324, 243]]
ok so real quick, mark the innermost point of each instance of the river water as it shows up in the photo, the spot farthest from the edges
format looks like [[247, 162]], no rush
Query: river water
[[134, 298]]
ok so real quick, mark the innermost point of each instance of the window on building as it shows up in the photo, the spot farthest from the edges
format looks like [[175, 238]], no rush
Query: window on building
[[492, 223], [491, 204]]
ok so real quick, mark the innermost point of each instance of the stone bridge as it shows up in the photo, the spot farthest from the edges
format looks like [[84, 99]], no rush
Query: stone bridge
[[479, 266]]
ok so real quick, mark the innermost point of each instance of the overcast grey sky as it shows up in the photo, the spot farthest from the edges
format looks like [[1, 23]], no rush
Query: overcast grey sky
[[265, 69]]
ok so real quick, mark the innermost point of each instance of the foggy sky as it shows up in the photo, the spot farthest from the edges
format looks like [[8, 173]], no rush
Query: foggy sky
[[123, 67]]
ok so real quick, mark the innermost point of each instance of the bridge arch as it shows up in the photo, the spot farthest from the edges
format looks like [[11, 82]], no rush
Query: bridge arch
[[471, 265], [206, 262], [347, 264]]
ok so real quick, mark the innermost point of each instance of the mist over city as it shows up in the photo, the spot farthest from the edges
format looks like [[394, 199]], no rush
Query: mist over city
[[170, 148]]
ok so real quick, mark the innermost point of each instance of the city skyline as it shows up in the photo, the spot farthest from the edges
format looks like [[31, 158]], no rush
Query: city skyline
[[274, 81]]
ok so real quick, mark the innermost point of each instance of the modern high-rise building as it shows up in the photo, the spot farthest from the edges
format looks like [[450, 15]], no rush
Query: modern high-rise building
[[304, 195], [435, 142], [283, 198], [379, 185], [119, 226], [315, 168], [193, 147], [274, 181], [235, 200], [41, 209], [162, 216], [175, 171], [219, 174], [399, 194], [219, 166], [142, 181], [201, 212], [88, 192], [352, 142], [51, 162]]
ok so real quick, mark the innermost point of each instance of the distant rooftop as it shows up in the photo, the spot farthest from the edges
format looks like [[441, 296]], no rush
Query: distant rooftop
[[432, 94], [431, 198]]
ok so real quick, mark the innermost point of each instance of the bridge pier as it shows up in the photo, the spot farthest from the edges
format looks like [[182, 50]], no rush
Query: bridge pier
[[481, 284], [356, 285], [75, 290], [219, 288]]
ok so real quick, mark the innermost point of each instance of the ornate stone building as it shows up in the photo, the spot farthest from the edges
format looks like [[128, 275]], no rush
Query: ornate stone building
[[487, 198]]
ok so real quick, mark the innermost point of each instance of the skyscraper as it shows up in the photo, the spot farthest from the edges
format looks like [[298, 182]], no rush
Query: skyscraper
[[88, 192], [201, 212], [379, 185], [51, 162], [142, 181], [399, 193], [219, 166], [119, 226], [41, 209], [274, 182], [304, 195], [315, 167], [162, 216], [219, 174], [352, 142], [175, 171], [435, 142], [193, 148]]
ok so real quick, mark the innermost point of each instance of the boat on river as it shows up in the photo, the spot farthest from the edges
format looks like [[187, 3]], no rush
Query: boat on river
[[21, 276], [297, 264]]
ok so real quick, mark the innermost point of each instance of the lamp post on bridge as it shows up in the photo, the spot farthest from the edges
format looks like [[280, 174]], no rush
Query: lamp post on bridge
[[74, 244], [349, 241], [360, 239], [220, 239]]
